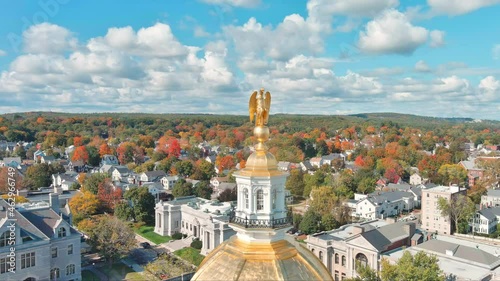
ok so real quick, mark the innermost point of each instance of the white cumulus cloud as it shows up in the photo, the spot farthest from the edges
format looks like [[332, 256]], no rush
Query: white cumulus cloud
[[437, 38], [458, 7], [235, 3]]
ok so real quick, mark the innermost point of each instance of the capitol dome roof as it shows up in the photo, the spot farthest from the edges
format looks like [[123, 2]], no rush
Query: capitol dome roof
[[236, 259]]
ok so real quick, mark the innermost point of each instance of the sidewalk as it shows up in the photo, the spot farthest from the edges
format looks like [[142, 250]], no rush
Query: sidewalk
[[133, 265], [174, 245]]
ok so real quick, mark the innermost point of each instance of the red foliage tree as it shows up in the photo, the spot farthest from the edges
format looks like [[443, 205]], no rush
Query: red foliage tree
[[77, 141], [108, 195], [224, 162]]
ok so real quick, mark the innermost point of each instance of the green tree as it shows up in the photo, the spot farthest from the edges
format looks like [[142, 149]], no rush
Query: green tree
[[312, 181], [296, 220], [295, 182], [310, 222], [111, 237], [228, 195], [92, 182], [328, 222], [323, 200], [123, 211], [143, 204], [203, 170], [203, 189], [182, 188], [366, 185], [40, 175], [365, 273], [413, 268], [459, 208], [94, 157], [184, 168]]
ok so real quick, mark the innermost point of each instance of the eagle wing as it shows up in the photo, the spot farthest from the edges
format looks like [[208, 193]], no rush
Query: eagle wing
[[267, 105], [252, 105]]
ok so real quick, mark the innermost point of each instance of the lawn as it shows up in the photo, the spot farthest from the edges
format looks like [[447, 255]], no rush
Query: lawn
[[88, 275], [148, 233], [191, 255], [120, 271]]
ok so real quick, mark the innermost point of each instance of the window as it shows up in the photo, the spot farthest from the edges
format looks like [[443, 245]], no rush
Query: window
[[361, 258], [260, 200], [27, 260], [3, 265], [312, 250], [274, 199], [321, 256], [70, 249], [159, 220], [245, 195], [343, 260], [55, 274], [70, 269], [336, 275], [54, 252], [336, 258], [61, 232], [343, 276], [4, 239]]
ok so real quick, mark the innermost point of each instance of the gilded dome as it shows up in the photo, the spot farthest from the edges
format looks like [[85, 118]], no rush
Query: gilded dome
[[236, 259]]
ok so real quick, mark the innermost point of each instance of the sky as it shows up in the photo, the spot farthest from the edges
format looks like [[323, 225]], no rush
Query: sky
[[433, 58]]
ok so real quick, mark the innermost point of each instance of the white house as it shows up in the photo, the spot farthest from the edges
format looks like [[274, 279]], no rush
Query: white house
[[416, 179], [108, 159], [196, 217], [485, 220], [119, 173], [64, 181], [216, 181], [491, 198], [152, 176], [383, 204], [168, 182]]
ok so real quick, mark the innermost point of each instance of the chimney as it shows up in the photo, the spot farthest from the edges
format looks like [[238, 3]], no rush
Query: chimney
[[54, 202]]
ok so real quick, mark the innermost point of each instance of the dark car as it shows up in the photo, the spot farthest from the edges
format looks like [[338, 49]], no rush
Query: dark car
[[145, 245]]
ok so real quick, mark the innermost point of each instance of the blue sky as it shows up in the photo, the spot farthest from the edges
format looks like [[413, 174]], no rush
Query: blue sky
[[434, 58]]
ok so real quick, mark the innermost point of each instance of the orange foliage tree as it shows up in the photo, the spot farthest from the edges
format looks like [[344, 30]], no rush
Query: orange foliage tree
[[224, 162], [104, 149], [80, 153], [77, 141]]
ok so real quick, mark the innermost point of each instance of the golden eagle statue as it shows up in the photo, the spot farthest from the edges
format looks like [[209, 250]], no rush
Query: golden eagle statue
[[259, 107]]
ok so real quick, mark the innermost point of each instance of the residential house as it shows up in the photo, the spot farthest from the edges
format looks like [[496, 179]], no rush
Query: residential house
[[68, 150], [64, 181], [485, 220], [37, 155], [154, 188], [284, 166], [197, 217], [76, 166], [432, 220], [119, 173], [108, 159], [306, 166], [474, 173], [416, 179], [46, 246], [106, 169], [491, 198], [13, 162], [47, 159], [328, 159], [216, 181], [316, 162], [383, 204], [151, 176], [363, 243], [223, 186], [417, 196], [211, 158], [168, 182]]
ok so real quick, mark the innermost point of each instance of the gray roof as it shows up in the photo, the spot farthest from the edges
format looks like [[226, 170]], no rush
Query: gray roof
[[490, 213], [226, 185], [333, 156], [8, 160], [402, 187], [494, 192], [416, 191], [48, 158], [469, 165], [121, 169], [416, 237], [379, 197], [382, 237], [468, 253], [155, 174], [307, 164], [22, 222]]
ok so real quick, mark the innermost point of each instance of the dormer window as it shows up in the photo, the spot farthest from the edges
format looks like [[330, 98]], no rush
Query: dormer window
[[61, 232]]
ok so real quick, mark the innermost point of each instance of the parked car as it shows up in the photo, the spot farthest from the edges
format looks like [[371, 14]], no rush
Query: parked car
[[145, 245]]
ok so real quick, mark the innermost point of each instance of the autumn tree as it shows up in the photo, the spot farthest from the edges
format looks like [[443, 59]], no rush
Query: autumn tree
[[129, 152], [10, 177], [83, 205], [323, 200], [203, 170], [184, 168], [108, 195], [224, 162], [459, 209], [104, 149], [40, 175], [80, 154], [452, 174]]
